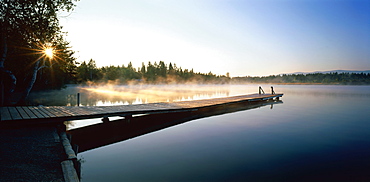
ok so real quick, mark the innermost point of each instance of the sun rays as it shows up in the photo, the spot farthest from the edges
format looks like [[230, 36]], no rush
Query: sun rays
[[49, 52], [44, 52]]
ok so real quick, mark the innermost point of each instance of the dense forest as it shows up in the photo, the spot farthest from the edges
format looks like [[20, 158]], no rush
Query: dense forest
[[162, 73], [152, 73]]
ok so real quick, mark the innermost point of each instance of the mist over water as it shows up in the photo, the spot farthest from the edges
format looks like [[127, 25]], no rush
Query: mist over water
[[138, 94], [135, 94]]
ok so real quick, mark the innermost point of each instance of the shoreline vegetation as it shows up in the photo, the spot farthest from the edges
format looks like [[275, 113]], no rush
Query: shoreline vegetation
[[162, 73], [88, 74]]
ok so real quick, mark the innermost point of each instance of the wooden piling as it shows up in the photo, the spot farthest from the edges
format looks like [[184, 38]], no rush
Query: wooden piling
[[78, 99]]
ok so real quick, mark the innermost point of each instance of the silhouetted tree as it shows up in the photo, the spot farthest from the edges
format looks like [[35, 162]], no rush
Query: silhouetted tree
[[27, 27], [88, 72]]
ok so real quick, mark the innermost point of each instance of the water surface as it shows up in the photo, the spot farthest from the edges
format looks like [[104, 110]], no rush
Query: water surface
[[319, 133]]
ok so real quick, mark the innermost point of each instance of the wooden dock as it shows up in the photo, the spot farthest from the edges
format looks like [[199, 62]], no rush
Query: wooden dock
[[106, 133], [39, 114]]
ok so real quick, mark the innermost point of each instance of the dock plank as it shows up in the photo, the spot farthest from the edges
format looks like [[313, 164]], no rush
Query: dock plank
[[53, 111], [67, 110], [81, 111], [29, 112], [37, 112], [14, 113], [46, 112], [23, 114], [5, 114], [58, 111]]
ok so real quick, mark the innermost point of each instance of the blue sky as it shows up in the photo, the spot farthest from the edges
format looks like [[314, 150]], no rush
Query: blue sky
[[242, 37]]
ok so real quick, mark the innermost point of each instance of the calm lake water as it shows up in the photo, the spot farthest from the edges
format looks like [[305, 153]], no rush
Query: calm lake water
[[318, 133]]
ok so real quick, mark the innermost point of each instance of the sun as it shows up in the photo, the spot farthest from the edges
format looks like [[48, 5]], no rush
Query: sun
[[49, 52]]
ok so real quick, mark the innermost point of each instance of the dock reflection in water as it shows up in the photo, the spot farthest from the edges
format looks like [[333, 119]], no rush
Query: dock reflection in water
[[102, 134]]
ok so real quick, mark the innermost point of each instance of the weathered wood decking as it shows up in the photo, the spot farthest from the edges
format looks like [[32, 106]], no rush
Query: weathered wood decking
[[65, 113]]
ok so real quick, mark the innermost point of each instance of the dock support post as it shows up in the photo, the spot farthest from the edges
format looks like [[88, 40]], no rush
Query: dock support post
[[260, 90], [105, 119], [128, 118], [78, 99]]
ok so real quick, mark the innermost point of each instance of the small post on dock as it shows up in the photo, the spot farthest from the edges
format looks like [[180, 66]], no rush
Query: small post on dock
[[105, 119], [272, 90], [260, 90], [78, 99]]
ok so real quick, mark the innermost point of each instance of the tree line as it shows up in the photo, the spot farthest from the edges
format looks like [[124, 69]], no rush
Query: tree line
[[151, 73], [169, 74], [312, 78]]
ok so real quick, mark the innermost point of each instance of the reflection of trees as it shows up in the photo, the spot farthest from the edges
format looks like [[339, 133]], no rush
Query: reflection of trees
[[118, 95], [65, 97]]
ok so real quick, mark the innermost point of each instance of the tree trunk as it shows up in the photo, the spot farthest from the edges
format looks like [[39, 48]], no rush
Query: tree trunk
[[26, 92], [7, 78], [3, 34], [1, 92], [4, 48]]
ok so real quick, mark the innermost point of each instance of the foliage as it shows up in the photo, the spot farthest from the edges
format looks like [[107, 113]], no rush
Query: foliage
[[313, 78], [27, 27], [87, 71], [162, 73], [158, 73]]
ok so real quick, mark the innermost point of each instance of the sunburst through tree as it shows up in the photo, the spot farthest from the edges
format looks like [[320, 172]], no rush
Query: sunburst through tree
[[49, 52], [32, 40]]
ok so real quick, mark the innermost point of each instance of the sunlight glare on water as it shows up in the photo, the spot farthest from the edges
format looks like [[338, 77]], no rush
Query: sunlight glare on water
[[137, 94]]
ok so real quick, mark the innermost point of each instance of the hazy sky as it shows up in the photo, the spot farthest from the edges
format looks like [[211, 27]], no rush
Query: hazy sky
[[243, 37]]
